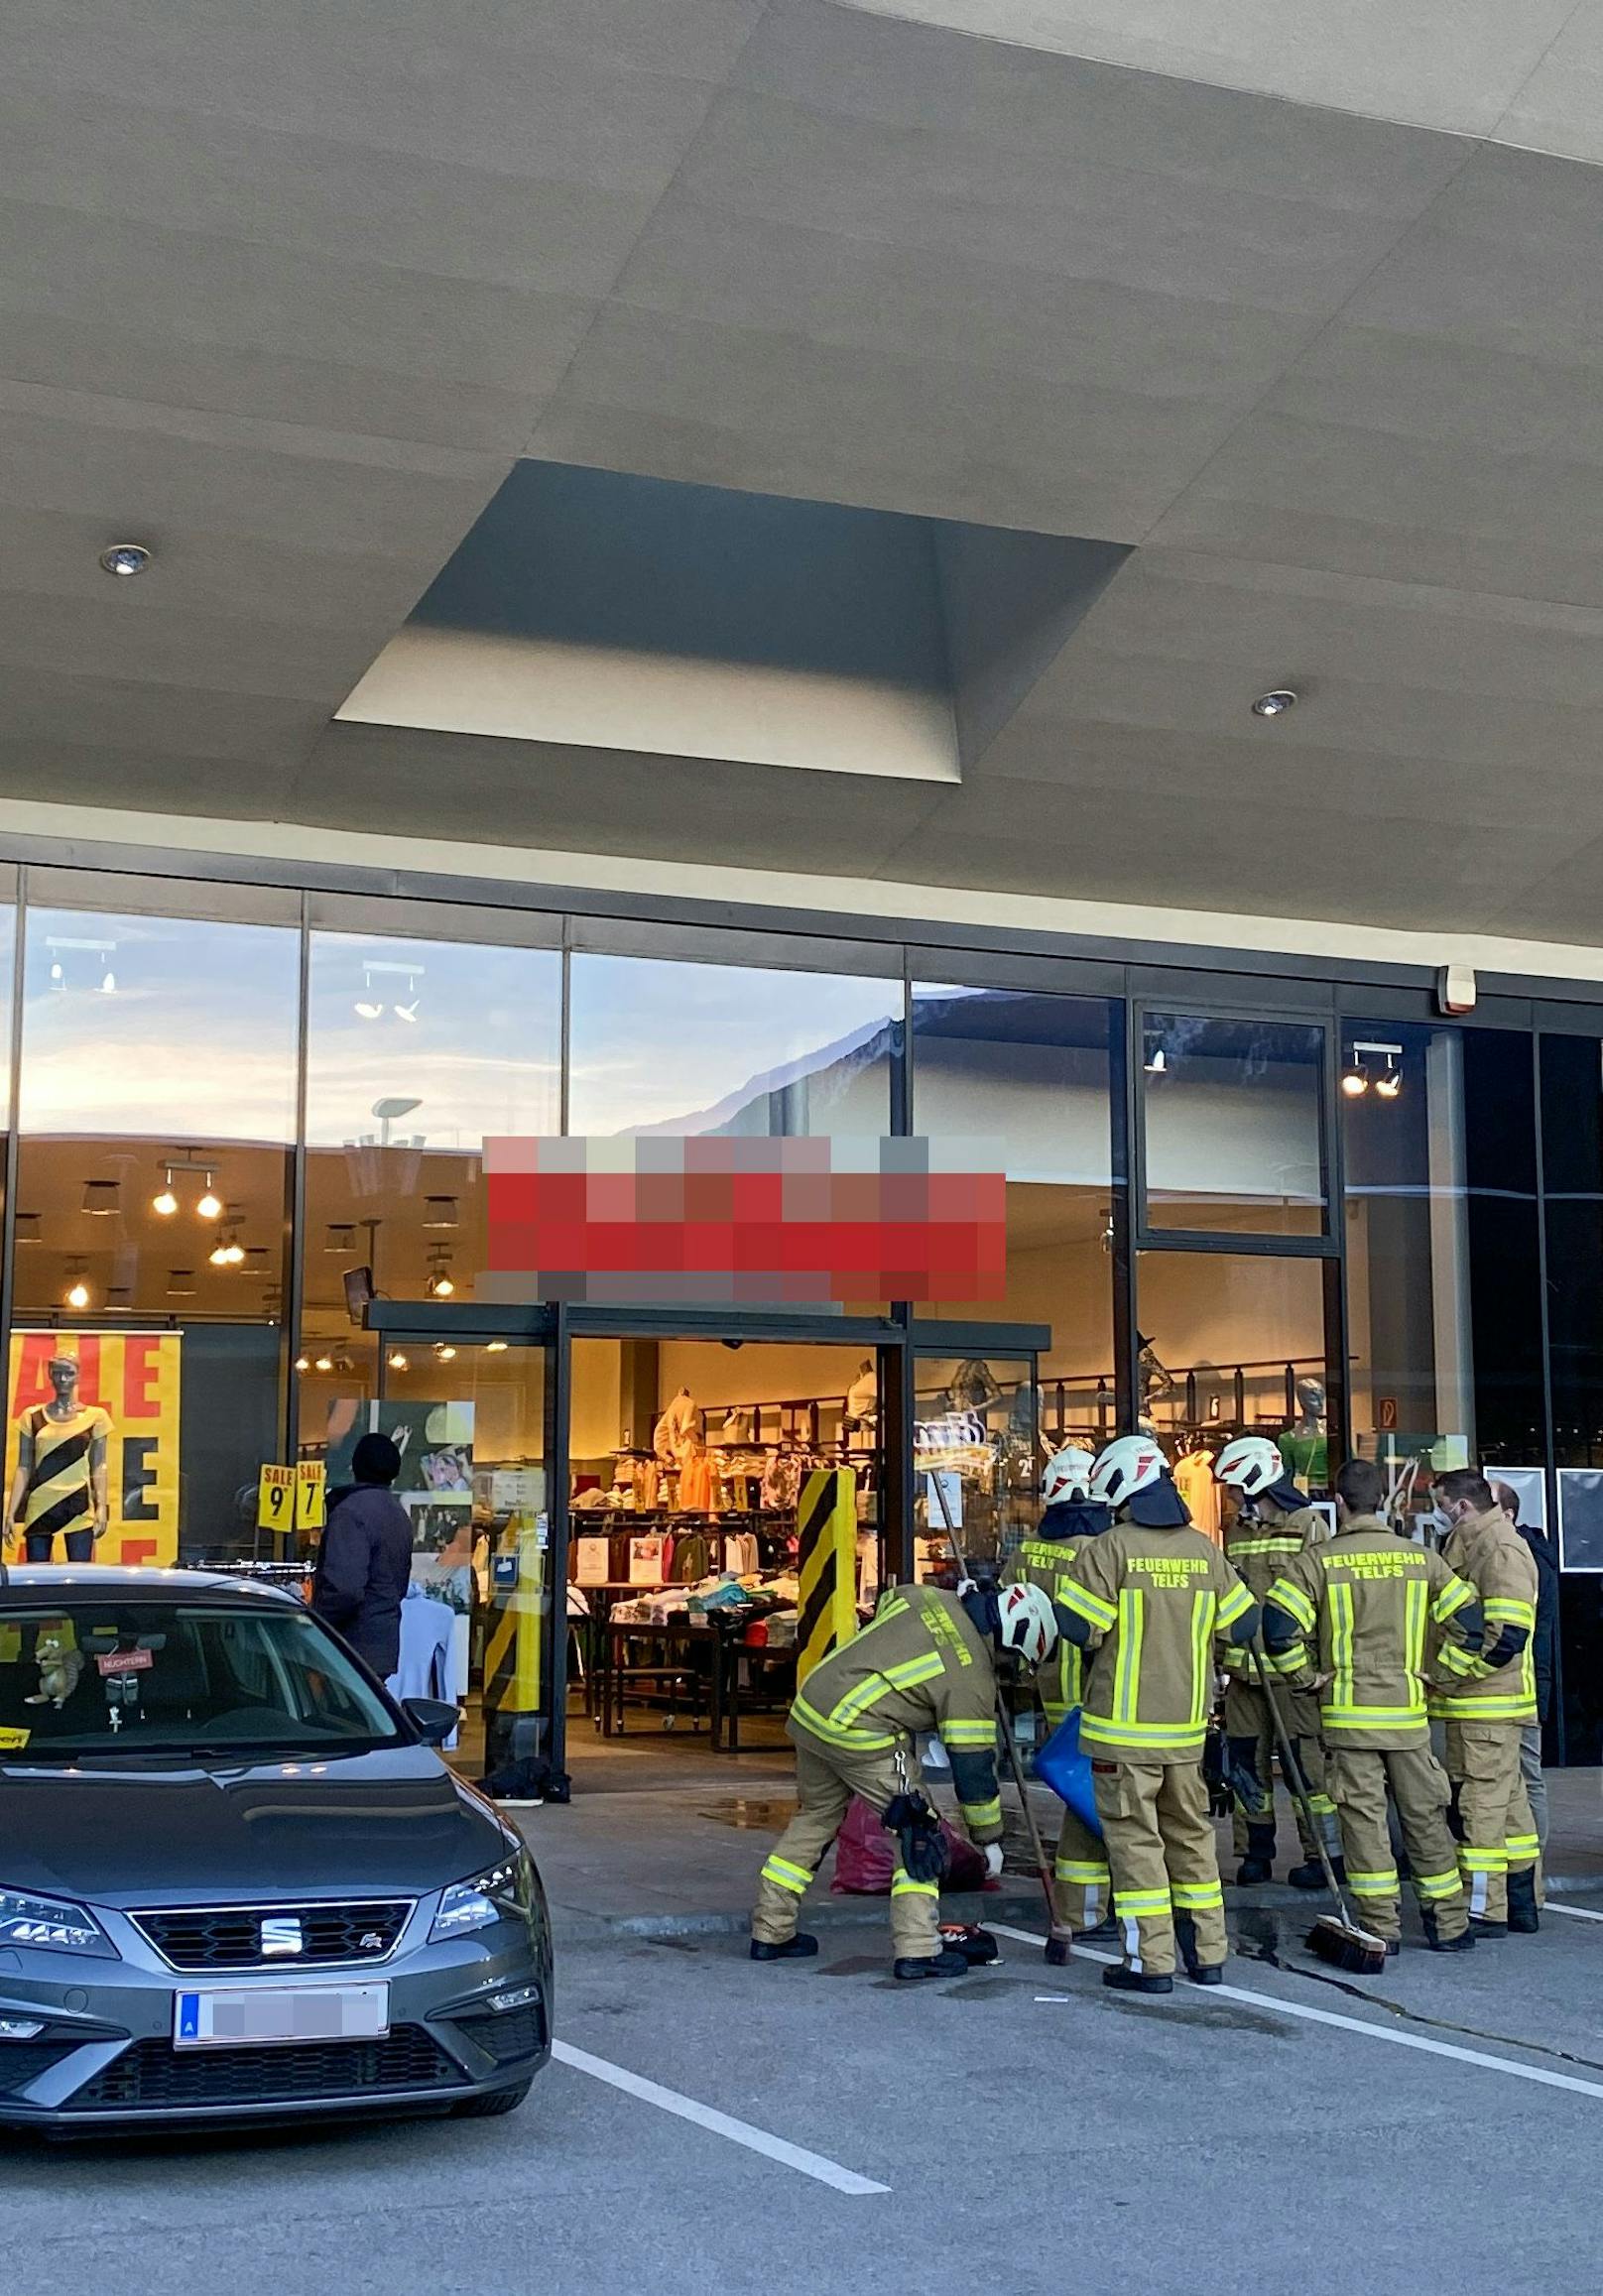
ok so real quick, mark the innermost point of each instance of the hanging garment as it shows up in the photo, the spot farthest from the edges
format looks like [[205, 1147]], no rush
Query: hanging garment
[[426, 1634], [1193, 1476]]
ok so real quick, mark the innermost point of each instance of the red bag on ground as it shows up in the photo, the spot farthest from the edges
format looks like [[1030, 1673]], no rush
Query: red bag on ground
[[865, 1855]]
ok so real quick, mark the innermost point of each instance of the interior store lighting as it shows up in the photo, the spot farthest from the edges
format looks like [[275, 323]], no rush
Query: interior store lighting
[[326, 1363], [1158, 1065], [164, 1203], [1355, 1082], [303, 1362], [446, 1353], [77, 1291], [397, 1362], [1357, 1079], [210, 1206], [441, 1285], [495, 1347]]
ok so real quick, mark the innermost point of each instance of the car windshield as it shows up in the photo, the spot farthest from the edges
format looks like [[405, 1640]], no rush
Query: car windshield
[[128, 1677]]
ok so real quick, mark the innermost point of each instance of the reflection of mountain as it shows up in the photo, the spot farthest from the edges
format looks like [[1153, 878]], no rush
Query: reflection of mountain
[[808, 1094]]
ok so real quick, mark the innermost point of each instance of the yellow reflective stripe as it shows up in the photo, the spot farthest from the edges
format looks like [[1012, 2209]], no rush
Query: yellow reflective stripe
[[1482, 1861], [785, 1875], [912, 1671], [1197, 1896], [1139, 1901], [1202, 1672], [902, 1885], [1290, 1661], [856, 1701], [1520, 1846], [1079, 1869], [1457, 1660], [1236, 1546], [983, 1813], [1235, 1605], [1091, 1607], [890, 1605], [1369, 1717], [1322, 1804], [864, 1741], [1509, 1610], [1295, 1603], [1415, 1597], [1515, 1708], [1452, 1598], [1104, 1730], [1382, 1883], [1341, 1645], [1127, 1674], [1437, 1884], [964, 1733]]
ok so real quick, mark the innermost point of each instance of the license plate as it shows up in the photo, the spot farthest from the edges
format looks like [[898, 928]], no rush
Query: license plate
[[256, 2015]]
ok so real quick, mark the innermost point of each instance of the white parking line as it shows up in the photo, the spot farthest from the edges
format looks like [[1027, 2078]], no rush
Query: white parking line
[[1575, 1912], [797, 2156], [1371, 2032]]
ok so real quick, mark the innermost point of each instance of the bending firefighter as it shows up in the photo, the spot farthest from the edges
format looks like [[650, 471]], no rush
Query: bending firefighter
[[1486, 1712], [922, 1665], [1148, 1598], [1080, 1879], [1273, 1524], [1354, 1619]]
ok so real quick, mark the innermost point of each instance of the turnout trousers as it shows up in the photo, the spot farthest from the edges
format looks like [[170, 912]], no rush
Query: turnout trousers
[[826, 1777], [1252, 1740], [1497, 1834], [1358, 1779], [1164, 1862], [1080, 1878]]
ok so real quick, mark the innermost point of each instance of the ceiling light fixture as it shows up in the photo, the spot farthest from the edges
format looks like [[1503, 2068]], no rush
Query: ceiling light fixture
[[164, 1203], [1158, 1065], [302, 1363], [326, 1363], [1275, 703], [125, 559], [446, 1355], [1355, 1083], [366, 1010], [397, 1362], [210, 1205], [77, 1292], [441, 1285], [495, 1347]]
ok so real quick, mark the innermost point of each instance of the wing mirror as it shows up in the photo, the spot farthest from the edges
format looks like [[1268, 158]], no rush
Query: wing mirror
[[432, 1719]]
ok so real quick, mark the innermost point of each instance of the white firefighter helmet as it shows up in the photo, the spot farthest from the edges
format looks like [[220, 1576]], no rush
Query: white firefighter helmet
[[1129, 1465], [1252, 1465], [1026, 1623], [1068, 1473]]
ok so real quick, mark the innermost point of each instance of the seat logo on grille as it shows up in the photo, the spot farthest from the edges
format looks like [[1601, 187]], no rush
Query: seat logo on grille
[[282, 1934]]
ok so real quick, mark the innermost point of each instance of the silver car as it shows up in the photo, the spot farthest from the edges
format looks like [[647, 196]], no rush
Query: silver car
[[237, 1882]]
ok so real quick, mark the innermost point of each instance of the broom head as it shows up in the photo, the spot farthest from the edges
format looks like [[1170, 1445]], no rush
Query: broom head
[[1345, 1946]]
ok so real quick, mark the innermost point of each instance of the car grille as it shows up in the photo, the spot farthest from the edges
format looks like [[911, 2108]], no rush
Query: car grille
[[505, 2034], [153, 2074], [201, 1937], [24, 2061]]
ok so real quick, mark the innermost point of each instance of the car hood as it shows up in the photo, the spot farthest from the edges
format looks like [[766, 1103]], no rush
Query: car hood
[[393, 1822]]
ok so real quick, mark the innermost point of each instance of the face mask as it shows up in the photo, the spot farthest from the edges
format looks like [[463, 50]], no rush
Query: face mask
[[1435, 1524]]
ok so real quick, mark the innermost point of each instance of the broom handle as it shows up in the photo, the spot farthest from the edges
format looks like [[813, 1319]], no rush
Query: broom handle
[[1299, 1784], [1005, 1725]]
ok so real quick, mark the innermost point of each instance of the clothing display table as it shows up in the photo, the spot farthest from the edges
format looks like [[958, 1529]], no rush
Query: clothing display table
[[699, 1667]]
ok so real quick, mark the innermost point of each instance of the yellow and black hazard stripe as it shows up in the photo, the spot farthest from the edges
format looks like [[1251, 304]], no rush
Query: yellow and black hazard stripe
[[827, 1523]]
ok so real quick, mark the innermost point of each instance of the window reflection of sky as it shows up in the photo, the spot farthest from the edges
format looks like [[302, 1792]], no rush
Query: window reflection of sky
[[196, 1040], [472, 1034], [692, 1048]]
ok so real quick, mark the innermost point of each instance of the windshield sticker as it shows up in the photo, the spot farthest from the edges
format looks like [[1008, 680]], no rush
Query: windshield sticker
[[13, 1741]]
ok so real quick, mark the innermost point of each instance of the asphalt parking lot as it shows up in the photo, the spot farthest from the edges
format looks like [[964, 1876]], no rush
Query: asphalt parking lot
[[1022, 2130]]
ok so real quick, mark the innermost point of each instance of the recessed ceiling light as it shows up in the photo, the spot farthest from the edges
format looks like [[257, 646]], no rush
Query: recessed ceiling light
[[125, 559], [1274, 704]]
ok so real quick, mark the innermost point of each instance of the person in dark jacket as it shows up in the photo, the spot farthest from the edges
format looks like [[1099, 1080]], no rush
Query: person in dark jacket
[[1545, 1643], [365, 1564]]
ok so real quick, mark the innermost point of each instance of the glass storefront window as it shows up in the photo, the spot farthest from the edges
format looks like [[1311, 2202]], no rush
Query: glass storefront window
[[1232, 1125], [1031, 1072], [659, 1046], [1233, 1344], [1443, 1299], [156, 1108], [416, 1050], [977, 1455]]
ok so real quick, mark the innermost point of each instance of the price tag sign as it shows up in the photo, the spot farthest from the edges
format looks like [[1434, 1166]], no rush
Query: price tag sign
[[275, 1499], [311, 1493]]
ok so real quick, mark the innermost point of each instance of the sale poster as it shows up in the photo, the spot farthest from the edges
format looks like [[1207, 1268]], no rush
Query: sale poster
[[133, 1377]]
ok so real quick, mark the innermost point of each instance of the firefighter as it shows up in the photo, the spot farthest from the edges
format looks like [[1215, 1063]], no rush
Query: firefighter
[[1273, 1524], [1149, 1597], [923, 1665], [1070, 1518], [1486, 1714], [1366, 1601]]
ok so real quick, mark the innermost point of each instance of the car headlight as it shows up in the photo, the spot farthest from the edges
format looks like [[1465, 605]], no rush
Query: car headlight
[[52, 1925], [507, 1892]]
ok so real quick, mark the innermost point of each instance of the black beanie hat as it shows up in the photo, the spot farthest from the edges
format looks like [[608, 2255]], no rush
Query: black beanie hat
[[375, 1460]]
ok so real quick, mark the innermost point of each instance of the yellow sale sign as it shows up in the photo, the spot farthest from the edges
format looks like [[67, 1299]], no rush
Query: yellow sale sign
[[133, 1377]]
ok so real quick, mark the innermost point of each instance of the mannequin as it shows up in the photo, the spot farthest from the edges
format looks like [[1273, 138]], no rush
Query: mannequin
[[863, 1396], [60, 1478], [1305, 1448], [674, 1429], [972, 1386]]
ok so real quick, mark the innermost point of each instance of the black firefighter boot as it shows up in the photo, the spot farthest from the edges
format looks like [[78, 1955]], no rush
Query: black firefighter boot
[[946, 1963], [798, 1948], [1439, 1944], [1259, 1863], [1524, 1918], [1200, 1972]]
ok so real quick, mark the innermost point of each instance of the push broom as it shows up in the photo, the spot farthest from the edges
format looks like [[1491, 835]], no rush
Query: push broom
[[1060, 1941], [1336, 1937]]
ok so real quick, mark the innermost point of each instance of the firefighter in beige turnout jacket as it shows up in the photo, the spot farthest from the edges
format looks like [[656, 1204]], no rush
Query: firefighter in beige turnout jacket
[[1150, 1597], [920, 1665], [1356, 1619], [1486, 1712], [1271, 1526], [1080, 1881]]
